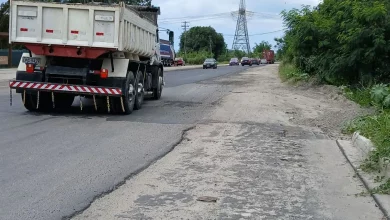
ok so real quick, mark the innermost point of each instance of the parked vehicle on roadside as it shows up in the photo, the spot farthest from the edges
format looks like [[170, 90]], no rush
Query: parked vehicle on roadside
[[180, 61], [234, 62], [246, 61], [255, 61], [269, 55], [210, 63], [92, 50], [263, 61]]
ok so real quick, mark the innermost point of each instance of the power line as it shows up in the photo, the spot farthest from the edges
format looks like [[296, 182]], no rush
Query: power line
[[195, 16], [231, 35], [217, 16]]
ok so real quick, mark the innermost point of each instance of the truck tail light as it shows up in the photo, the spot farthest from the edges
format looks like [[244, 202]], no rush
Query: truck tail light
[[30, 68], [104, 73]]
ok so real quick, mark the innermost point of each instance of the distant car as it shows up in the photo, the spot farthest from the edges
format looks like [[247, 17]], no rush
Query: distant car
[[180, 61], [255, 61], [210, 63], [234, 62], [246, 61], [263, 61]]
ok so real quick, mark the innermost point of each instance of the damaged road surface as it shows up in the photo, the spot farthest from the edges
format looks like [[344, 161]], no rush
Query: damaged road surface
[[266, 151], [54, 165]]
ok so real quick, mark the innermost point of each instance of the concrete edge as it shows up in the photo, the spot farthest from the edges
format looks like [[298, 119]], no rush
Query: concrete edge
[[382, 201], [365, 146]]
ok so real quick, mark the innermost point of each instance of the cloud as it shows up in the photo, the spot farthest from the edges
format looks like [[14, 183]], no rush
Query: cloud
[[259, 22]]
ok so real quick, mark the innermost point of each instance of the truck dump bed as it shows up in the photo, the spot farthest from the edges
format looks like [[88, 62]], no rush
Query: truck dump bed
[[115, 27]]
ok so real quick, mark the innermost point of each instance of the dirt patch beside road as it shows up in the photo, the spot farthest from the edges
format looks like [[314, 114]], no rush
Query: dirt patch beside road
[[264, 153]]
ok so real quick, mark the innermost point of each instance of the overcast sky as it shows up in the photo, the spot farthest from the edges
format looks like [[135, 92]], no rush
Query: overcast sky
[[266, 16]]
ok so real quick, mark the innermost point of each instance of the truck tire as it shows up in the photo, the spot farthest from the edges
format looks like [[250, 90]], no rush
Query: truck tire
[[30, 103], [128, 97], [158, 91], [139, 87]]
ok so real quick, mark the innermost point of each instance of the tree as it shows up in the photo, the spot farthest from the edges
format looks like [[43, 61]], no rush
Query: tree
[[341, 41], [259, 48], [203, 39], [4, 22]]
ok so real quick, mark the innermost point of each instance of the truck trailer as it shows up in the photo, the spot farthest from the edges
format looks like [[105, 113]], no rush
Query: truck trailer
[[269, 55], [167, 53], [106, 52]]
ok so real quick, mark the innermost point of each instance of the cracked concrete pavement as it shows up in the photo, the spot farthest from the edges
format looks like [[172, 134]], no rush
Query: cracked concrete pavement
[[261, 153]]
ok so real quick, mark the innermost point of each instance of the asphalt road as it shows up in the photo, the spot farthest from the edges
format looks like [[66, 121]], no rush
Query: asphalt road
[[53, 165]]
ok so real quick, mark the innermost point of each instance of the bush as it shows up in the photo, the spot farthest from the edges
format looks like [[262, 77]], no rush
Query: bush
[[338, 41], [362, 96], [374, 127], [196, 58], [288, 71], [380, 94]]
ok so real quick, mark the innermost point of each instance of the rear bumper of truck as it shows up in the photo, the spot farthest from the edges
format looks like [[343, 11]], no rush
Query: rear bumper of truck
[[65, 88]]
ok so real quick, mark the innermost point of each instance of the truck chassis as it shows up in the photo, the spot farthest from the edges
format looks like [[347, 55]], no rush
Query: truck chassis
[[55, 87]]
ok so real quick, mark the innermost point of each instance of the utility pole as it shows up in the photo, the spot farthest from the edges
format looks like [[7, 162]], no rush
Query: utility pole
[[185, 26], [210, 42]]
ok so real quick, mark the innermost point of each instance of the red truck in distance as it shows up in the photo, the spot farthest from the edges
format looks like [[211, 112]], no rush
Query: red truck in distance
[[269, 55]]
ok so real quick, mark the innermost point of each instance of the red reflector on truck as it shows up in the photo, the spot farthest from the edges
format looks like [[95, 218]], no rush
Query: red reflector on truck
[[49, 31], [74, 32], [99, 33], [29, 68], [23, 29], [104, 73]]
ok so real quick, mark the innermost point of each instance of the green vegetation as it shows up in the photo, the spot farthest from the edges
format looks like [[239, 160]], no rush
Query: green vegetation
[[288, 71], [4, 22], [345, 43], [202, 42], [259, 48], [199, 43], [359, 95], [375, 127]]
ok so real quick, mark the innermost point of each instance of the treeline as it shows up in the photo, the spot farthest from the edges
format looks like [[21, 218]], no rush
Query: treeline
[[199, 43], [341, 41]]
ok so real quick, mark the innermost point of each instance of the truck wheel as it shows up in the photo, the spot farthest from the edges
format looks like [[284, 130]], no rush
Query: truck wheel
[[157, 91], [128, 96], [139, 87], [31, 101]]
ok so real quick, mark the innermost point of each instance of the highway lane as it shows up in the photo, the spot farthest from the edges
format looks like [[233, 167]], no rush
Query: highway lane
[[53, 165]]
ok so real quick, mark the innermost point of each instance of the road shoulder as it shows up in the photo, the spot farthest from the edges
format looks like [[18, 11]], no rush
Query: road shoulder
[[258, 155]]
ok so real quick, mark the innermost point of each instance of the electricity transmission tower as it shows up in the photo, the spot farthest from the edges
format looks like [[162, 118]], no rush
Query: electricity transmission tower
[[241, 38], [185, 26]]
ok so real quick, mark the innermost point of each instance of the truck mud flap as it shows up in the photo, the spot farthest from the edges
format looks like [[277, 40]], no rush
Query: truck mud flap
[[65, 88]]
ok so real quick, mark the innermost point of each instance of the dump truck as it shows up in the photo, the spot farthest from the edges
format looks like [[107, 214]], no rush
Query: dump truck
[[106, 52], [167, 53], [269, 55]]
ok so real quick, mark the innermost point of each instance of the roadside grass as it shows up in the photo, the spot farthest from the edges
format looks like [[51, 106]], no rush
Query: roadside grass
[[288, 72], [361, 96], [375, 127]]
